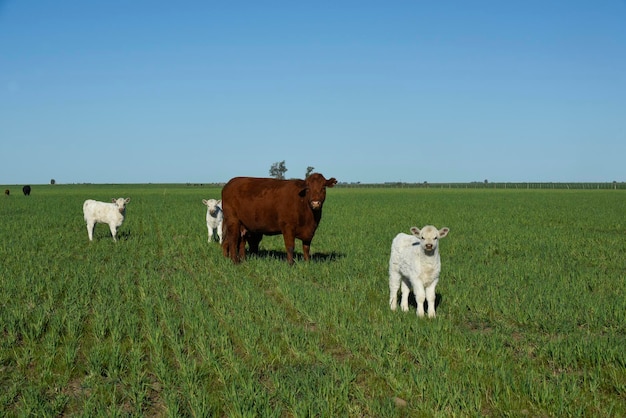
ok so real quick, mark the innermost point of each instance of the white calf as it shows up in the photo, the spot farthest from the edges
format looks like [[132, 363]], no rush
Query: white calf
[[415, 264], [214, 217], [104, 213]]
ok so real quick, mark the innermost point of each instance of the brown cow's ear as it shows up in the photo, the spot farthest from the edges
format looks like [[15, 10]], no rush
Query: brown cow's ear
[[303, 192], [331, 182]]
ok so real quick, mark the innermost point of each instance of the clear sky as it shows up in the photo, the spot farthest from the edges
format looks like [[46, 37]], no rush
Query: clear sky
[[364, 91]]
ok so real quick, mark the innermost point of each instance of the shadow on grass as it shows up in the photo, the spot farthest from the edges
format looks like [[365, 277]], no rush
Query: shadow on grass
[[100, 234], [122, 235], [413, 302], [282, 255]]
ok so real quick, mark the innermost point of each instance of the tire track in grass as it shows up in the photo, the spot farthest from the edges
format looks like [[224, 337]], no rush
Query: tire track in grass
[[234, 359], [157, 375], [297, 376], [254, 348], [145, 348], [202, 346], [179, 368], [274, 345], [331, 346]]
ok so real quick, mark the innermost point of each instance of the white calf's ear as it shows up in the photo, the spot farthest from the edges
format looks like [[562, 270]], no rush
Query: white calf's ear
[[444, 231], [415, 230], [127, 200]]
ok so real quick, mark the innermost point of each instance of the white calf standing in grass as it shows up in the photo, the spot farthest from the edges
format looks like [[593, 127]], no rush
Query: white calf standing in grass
[[214, 217], [104, 213], [415, 264]]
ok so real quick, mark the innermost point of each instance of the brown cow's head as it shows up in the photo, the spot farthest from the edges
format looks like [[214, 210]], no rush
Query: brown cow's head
[[315, 189]]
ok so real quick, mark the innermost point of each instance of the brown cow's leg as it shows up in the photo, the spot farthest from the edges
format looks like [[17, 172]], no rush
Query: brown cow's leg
[[290, 251], [234, 250], [241, 243], [290, 244], [232, 241]]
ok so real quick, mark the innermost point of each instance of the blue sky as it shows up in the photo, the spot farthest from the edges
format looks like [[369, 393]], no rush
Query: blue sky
[[367, 91]]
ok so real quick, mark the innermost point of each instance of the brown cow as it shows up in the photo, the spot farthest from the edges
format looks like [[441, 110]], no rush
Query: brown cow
[[254, 207]]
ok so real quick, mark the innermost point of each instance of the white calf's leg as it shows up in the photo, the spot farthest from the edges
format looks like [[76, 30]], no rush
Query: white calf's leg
[[404, 305], [430, 296], [113, 229], [420, 297], [210, 233], [394, 286], [90, 227]]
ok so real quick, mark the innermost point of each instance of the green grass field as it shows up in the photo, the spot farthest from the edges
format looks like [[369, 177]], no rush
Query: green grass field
[[531, 316]]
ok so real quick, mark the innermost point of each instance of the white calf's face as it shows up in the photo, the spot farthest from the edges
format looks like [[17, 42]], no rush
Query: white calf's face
[[429, 236], [121, 203], [212, 205]]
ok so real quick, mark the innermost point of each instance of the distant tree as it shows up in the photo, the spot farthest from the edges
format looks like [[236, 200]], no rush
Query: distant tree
[[309, 170], [278, 170], [486, 181], [53, 181]]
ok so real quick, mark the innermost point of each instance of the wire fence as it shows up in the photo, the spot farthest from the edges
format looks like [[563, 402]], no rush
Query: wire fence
[[478, 185]]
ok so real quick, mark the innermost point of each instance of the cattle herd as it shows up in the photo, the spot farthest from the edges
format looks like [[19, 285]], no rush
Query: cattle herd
[[252, 207]]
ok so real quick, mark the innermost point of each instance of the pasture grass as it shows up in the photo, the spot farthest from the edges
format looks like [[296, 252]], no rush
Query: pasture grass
[[531, 315]]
